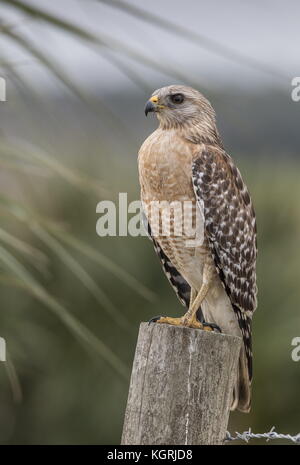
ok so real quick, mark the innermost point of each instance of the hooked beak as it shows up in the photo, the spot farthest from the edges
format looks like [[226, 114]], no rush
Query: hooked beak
[[151, 105]]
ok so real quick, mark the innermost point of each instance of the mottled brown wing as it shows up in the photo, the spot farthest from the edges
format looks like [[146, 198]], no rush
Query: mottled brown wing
[[230, 227]]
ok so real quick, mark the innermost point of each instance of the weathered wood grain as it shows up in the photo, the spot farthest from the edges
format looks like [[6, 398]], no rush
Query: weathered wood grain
[[181, 386]]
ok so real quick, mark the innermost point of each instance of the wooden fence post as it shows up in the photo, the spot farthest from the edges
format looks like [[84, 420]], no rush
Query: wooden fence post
[[181, 386]]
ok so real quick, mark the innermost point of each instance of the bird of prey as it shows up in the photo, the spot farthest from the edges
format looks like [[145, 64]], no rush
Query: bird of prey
[[212, 266]]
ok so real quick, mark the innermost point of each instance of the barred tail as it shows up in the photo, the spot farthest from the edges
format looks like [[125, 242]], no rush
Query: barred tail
[[242, 389]]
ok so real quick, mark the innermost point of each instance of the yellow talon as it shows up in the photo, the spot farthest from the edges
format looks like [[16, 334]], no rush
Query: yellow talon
[[170, 321], [191, 323]]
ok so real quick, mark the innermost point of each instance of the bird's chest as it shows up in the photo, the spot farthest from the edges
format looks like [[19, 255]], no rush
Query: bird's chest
[[165, 163], [165, 169]]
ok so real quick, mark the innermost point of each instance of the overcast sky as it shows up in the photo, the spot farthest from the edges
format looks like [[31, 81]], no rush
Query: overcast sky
[[266, 30]]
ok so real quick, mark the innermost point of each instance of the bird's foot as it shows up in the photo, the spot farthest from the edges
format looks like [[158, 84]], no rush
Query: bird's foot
[[167, 320], [188, 322], [211, 327]]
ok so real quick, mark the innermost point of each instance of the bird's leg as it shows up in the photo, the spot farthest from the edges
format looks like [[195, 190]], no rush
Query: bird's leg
[[196, 299], [193, 296], [177, 321], [190, 318]]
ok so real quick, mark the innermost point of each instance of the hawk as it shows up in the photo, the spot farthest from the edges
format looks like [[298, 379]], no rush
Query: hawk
[[211, 266]]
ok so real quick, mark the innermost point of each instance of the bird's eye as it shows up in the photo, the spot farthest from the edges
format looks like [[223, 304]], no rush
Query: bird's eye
[[177, 98]]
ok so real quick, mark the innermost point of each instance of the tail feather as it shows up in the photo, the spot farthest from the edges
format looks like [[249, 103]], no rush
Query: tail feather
[[242, 388]]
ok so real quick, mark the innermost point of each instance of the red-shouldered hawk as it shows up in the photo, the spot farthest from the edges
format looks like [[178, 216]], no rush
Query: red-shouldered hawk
[[212, 266]]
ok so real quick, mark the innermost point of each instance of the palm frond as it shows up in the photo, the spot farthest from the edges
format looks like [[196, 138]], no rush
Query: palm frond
[[203, 41], [101, 41], [105, 262], [57, 71], [83, 334], [83, 276], [25, 214], [30, 153], [33, 255]]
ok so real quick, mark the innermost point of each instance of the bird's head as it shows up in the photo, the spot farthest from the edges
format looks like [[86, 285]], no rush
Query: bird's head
[[177, 106]]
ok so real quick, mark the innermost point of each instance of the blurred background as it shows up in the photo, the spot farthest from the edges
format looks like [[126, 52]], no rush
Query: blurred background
[[78, 74]]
